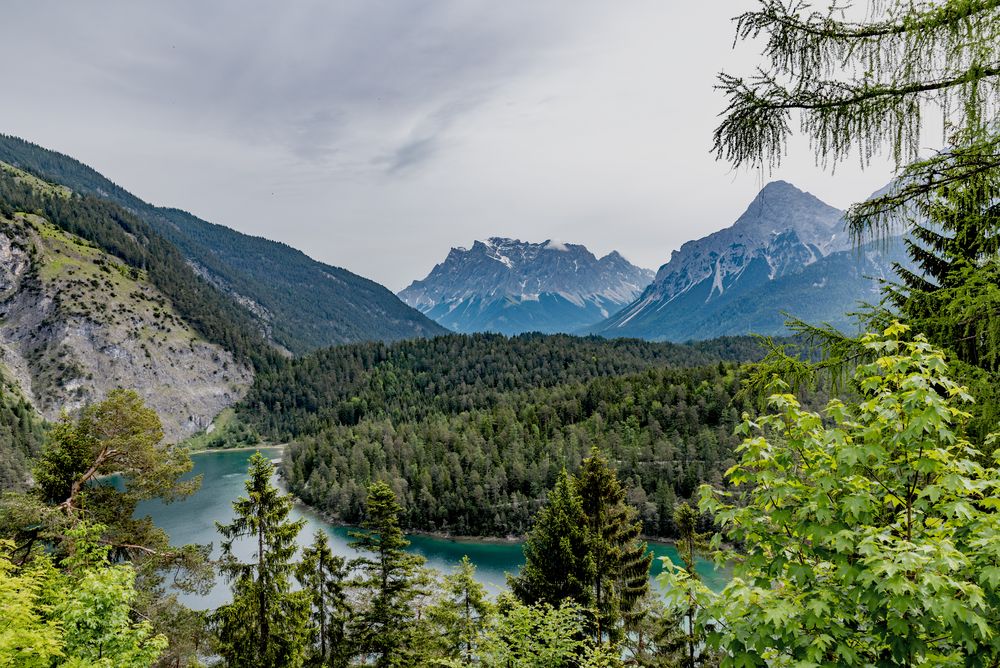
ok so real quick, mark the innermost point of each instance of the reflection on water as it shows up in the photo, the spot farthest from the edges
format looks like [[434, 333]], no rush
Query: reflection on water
[[193, 521]]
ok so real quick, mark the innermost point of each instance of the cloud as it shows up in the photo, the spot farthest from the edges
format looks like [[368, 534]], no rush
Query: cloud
[[374, 134]]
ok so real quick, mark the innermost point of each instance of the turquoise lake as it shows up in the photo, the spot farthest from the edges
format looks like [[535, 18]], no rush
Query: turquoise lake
[[193, 521]]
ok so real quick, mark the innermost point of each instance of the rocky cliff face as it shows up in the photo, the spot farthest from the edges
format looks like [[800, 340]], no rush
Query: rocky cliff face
[[511, 286], [783, 226], [75, 323]]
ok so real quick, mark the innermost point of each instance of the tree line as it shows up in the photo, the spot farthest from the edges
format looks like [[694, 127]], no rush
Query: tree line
[[486, 471], [410, 380]]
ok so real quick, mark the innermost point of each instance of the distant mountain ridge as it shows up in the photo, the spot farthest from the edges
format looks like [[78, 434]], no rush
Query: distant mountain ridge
[[787, 253], [512, 286], [299, 303]]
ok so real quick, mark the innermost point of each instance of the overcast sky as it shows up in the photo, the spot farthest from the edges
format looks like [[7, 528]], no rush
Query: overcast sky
[[375, 135]]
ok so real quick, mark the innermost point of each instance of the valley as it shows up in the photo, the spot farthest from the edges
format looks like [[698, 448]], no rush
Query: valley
[[193, 521], [344, 347]]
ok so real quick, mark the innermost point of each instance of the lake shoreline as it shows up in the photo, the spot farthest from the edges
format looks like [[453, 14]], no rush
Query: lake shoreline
[[242, 448], [443, 535], [192, 520], [440, 535]]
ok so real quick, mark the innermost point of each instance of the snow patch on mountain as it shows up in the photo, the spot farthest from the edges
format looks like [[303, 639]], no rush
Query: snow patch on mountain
[[509, 285]]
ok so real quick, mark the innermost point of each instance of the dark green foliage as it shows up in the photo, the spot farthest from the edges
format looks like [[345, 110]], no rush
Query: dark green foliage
[[620, 559], [486, 471], [266, 624], [384, 624], [322, 576], [120, 233], [953, 296], [21, 434], [557, 560], [302, 304], [412, 380]]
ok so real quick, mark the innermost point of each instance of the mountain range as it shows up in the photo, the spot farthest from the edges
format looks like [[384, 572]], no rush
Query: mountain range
[[788, 253], [511, 286]]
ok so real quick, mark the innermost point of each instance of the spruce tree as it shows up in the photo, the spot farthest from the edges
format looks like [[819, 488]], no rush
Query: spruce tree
[[267, 624], [689, 543], [620, 576], [461, 612], [557, 563], [322, 576], [952, 296], [383, 627]]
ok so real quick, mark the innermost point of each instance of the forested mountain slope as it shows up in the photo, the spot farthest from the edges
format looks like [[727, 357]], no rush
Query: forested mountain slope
[[472, 429], [21, 433], [486, 471], [91, 300], [409, 380], [301, 304]]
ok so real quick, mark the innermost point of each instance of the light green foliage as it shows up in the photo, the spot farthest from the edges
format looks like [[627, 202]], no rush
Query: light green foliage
[[868, 536], [540, 636], [29, 635], [95, 608], [117, 435], [227, 432], [267, 624], [78, 617]]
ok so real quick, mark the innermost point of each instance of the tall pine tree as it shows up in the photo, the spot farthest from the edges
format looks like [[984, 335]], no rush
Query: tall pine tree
[[267, 624], [323, 576], [620, 575], [383, 626], [557, 560], [461, 612], [953, 297]]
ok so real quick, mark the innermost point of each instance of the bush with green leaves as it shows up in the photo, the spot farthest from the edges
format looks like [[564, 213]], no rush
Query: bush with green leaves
[[79, 615], [868, 535]]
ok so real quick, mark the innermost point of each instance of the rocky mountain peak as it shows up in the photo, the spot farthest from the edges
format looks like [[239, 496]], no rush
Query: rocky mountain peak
[[515, 273], [787, 252]]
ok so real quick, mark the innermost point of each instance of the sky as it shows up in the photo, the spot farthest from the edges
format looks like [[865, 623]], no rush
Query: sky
[[377, 134]]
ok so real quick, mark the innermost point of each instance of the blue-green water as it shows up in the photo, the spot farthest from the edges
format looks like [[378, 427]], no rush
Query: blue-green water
[[193, 521]]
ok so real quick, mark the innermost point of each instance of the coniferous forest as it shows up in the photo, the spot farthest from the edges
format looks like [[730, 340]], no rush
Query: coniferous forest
[[848, 484]]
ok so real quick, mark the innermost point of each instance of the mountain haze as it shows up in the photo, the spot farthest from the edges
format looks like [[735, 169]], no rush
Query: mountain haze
[[511, 286]]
